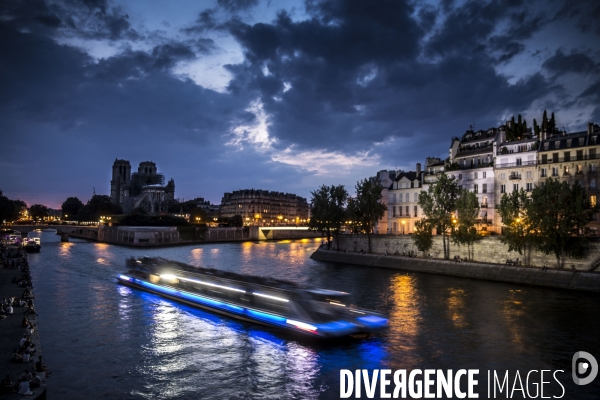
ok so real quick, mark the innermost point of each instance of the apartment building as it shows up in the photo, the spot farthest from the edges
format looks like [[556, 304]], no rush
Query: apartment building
[[573, 158]]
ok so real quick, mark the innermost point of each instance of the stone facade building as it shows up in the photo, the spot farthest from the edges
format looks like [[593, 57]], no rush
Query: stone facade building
[[490, 165], [263, 207]]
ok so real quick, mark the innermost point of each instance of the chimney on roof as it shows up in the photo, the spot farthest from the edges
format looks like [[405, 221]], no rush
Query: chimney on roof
[[590, 129], [418, 170]]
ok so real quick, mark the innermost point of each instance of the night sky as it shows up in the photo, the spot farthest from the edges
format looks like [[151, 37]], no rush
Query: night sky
[[278, 95]]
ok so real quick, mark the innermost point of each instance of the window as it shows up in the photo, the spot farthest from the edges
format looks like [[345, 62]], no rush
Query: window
[[407, 211], [567, 156], [515, 187], [484, 188], [546, 145], [475, 175], [395, 226], [503, 176], [475, 188], [593, 183], [592, 167], [581, 140], [399, 211], [400, 198], [592, 154], [567, 170], [529, 187], [579, 169], [519, 162], [569, 143], [415, 211], [484, 202], [416, 197], [593, 200], [543, 173], [554, 157], [527, 174], [484, 174], [579, 155], [544, 158], [393, 211], [502, 188], [554, 171], [557, 144]]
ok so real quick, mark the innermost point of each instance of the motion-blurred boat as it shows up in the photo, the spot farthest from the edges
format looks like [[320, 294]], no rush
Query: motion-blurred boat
[[276, 303]]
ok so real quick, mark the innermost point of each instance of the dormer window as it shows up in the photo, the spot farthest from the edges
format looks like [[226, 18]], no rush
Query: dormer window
[[581, 140], [557, 144], [569, 142]]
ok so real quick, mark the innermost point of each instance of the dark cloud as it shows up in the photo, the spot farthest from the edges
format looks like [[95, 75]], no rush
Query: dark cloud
[[561, 63], [237, 5], [394, 78]]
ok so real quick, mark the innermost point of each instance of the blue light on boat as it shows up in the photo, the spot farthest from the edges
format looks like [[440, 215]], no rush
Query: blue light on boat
[[126, 278], [373, 321]]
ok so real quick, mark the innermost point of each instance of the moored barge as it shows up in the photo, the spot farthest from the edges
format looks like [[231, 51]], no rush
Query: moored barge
[[275, 303]]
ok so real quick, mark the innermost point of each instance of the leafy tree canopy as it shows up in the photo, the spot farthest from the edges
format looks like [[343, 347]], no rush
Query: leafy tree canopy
[[38, 211], [71, 207]]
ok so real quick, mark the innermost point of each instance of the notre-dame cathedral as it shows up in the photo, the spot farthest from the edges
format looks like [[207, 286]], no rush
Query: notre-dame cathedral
[[145, 188]]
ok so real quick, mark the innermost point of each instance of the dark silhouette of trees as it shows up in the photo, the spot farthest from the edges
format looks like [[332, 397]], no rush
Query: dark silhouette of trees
[[38, 211], [71, 207], [366, 208], [438, 204], [327, 210], [10, 209]]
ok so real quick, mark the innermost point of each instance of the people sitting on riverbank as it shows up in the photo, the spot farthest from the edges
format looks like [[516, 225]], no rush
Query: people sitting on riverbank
[[7, 386], [24, 389], [41, 367], [457, 259], [36, 381]]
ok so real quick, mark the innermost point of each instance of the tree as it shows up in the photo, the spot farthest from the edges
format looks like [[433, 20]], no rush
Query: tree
[[367, 206], [38, 211], [10, 209], [557, 216], [236, 221], [464, 231], [438, 203], [71, 207], [97, 206], [422, 236], [516, 232], [327, 210]]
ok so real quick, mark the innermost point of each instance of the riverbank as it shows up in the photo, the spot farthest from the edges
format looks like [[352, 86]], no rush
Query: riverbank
[[578, 280], [11, 333]]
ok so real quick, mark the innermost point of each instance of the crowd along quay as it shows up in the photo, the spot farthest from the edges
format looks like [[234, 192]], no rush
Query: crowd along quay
[[275, 303]]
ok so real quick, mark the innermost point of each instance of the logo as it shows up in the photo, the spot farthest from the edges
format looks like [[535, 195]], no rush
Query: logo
[[582, 367]]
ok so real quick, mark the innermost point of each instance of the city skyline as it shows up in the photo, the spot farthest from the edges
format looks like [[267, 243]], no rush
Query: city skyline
[[285, 96]]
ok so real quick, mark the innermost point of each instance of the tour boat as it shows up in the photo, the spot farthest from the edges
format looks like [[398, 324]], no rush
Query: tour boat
[[31, 245], [276, 303]]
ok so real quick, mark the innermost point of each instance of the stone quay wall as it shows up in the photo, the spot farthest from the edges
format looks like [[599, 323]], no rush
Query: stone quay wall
[[488, 250], [565, 279]]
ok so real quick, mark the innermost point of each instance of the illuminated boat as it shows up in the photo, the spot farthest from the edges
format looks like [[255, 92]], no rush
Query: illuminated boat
[[31, 245], [276, 303]]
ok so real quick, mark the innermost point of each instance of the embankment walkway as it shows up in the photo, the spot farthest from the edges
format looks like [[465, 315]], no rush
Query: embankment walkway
[[11, 333], [565, 279]]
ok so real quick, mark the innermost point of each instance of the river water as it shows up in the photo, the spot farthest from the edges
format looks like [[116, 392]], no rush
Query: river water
[[106, 341]]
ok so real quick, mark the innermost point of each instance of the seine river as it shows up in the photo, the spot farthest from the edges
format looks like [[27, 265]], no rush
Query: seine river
[[102, 340]]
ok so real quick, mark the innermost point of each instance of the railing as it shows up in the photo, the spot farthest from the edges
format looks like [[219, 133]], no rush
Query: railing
[[514, 176], [512, 165], [569, 159]]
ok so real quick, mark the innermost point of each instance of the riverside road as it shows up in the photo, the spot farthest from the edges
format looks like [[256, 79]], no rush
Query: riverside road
[[106, 341]]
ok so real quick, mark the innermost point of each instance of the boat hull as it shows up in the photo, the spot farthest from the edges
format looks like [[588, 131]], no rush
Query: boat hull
[[335, 328]]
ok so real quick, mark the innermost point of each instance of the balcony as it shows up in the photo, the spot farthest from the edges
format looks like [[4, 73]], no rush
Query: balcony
[[512, 165], [568, 159], [514, 177]]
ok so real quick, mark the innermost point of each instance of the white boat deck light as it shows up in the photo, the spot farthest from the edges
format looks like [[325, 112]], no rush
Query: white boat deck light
[[270, 297], [211, 284]]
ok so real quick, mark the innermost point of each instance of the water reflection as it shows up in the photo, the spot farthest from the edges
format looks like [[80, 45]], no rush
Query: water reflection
[[104, 340]]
